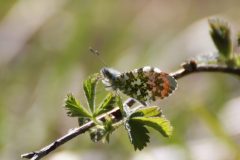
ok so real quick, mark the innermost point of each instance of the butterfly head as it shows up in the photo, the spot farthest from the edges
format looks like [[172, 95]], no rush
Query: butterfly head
[[110, 77]]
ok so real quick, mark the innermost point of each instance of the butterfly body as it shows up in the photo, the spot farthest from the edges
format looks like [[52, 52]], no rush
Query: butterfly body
[[144, 84]]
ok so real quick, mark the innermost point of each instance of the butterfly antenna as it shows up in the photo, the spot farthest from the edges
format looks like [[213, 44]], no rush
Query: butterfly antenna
[[97, 53]]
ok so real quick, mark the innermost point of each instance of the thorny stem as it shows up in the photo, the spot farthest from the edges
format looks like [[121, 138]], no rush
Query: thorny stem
[[187, 68]]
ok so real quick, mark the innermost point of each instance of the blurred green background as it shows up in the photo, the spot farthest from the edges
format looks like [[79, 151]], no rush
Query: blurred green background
[[44, 55]]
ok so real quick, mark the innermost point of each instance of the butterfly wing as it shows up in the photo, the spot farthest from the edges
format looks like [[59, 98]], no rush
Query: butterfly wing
[[160, 85], [147, 84]]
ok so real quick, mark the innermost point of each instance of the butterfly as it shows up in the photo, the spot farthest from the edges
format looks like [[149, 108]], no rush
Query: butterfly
[[145, 84]]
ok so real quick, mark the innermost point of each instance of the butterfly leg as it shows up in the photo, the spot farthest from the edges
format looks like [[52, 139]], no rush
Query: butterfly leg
[[144, 103]]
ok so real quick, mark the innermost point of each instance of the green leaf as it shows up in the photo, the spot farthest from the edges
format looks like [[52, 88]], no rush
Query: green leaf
[[75, 109], [152, 111], [220, 33], [108, 125], [89, 87], [120, 105], [107, 104], [237, 60], [161, 124], [102, 132], [138, 134]]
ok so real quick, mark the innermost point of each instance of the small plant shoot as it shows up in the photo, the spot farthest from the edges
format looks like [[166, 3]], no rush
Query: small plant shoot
[[142, 86], [142, 118]]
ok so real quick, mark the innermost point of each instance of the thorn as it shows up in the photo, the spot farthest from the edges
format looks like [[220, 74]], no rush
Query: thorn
[[190, 65]]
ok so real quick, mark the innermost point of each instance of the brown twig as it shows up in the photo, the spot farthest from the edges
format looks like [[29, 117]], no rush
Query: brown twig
[[192, 67], [187, 68], [36, 155]]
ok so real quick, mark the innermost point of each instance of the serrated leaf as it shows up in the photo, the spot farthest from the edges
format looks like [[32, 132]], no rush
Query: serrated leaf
[[138, 134], [161, 124], [89, 87], [151, 111], [75, 109], [220, 33], [107, 104]]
